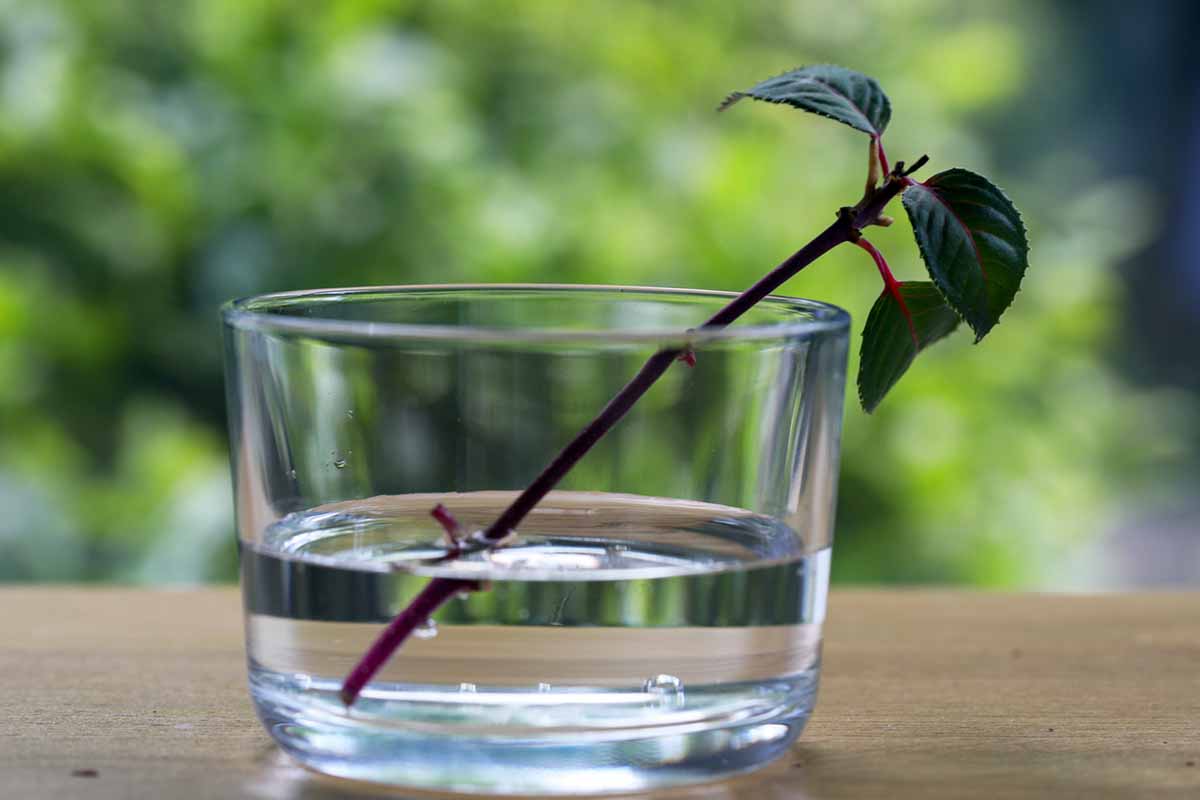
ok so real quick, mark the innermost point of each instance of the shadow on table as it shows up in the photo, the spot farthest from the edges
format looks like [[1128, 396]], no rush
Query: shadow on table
[[1021, 768]]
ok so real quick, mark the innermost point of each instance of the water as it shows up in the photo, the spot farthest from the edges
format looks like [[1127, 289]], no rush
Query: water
[[624, 643]]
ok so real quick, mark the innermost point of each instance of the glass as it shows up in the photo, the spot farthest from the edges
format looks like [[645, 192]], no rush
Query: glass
[[656, 621]]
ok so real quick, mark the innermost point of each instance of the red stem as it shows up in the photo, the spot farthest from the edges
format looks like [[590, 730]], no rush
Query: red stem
[[439, 590], [883, 160], [891, 286], [889, 280]]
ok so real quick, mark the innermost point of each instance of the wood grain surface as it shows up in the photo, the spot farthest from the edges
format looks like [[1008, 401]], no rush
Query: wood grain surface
[[125, 693]]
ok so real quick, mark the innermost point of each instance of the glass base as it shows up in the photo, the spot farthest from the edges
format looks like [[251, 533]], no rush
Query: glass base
[[564, 762]]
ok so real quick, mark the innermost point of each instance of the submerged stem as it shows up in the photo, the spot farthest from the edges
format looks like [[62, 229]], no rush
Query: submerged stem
[[428, 600]]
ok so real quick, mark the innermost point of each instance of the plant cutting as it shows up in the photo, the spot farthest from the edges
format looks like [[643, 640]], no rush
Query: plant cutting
[[647, 610], [970, 237]]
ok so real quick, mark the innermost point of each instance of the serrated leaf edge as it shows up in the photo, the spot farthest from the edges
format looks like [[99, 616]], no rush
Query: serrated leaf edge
[[918, 346], [923, 244]]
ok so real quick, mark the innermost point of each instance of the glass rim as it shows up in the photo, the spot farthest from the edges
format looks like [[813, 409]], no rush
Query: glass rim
[[823, 318]]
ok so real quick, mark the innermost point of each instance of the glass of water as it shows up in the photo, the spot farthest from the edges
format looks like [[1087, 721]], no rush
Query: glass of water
[[657, 618]]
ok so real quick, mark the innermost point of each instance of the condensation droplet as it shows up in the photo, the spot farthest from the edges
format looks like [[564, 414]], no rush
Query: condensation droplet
[[426, 630], [291, 473], [349, 413], [462, 594], [663, 685], [339, 463], [543, 687], [466, 688]]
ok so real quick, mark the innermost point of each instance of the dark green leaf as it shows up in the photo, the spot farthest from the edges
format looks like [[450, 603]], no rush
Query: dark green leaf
[[898, 328], [828, 90], [973, 243]]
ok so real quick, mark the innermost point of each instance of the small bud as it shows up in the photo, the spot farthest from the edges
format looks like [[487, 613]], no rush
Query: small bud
[[688, 357], [872, 164]]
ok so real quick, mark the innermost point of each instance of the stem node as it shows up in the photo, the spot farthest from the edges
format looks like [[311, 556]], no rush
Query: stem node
[[849, 218]]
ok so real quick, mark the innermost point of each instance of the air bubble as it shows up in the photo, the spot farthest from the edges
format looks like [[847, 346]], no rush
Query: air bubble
[[663, 685], [467, 688], [340, 463], [426, 630], [349, 413]]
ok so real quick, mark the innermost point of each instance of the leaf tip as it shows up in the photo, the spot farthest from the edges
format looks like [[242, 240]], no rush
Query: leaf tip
[[730, 99], [980, 325], [868, 406]]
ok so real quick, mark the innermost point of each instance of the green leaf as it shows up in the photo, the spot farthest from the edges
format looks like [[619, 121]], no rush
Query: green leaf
[[972, 241], [901, 324], [835, 92]]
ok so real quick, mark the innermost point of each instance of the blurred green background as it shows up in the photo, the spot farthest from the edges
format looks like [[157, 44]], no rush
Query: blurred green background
[[158, 158]]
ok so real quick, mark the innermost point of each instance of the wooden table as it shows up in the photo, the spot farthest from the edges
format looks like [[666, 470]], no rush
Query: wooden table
[[120, 693]]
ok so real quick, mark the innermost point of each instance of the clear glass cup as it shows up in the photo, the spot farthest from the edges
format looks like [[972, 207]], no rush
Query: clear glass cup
[[656, 621]]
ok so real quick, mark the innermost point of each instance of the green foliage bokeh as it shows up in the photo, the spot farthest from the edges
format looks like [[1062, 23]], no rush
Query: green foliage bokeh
[[157, 159]]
